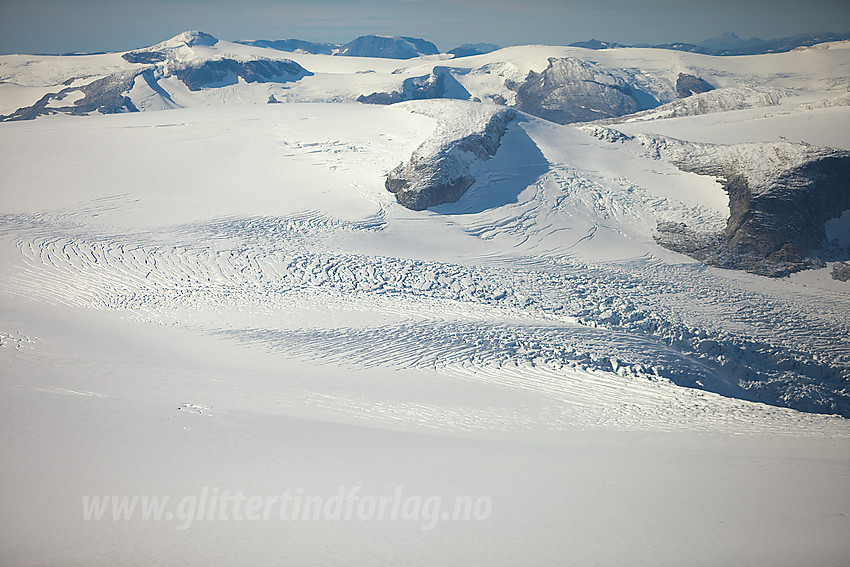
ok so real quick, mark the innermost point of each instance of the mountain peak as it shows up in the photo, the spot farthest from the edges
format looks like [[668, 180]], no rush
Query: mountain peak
[[468, 49], [728, 40], [388, 46], [193, 37]]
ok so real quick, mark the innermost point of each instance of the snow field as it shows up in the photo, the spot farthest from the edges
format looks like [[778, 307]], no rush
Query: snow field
[[229, 297]]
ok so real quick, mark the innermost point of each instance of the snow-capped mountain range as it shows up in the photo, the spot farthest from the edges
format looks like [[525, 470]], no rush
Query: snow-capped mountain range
[[563, 84]]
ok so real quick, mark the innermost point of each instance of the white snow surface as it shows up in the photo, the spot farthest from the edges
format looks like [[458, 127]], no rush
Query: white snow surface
[[227, 297]]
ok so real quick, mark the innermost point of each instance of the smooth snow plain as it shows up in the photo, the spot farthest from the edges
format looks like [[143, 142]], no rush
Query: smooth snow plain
[[227, 297]]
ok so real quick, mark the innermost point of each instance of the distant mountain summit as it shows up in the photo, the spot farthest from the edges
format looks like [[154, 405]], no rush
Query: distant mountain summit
[[730, 44], [189, 39], [596, 44], [469, 49], [730, 40], [388, 47]]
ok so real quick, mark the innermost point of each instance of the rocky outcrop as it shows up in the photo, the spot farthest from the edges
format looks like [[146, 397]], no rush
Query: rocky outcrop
[[776, 223], [388, 47], [439, 84], [572, 90], [106, 96], [145, 57], [781, 196], [221, 72], [443, 173], [841, 272], [687, 85], [414, 88]]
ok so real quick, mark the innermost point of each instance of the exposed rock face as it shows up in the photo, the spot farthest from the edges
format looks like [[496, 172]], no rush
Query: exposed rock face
[[145, 57], [439, 84], [841, 272], [686, 85], [571, 90], [388, 47], [774, 226], [106, 95], [781, 196], [434, 176], [415, 88], [220, 72]]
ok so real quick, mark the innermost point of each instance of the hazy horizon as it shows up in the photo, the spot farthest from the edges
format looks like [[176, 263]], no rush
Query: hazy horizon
[[54, 26]]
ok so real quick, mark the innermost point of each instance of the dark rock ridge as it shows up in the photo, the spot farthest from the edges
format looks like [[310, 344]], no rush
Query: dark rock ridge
[[781, 196], [841, 272], [773, 227], [687, 85], [388, 47], [777, 213], [439, 84], [145, 57], [445, 175], [106, 95], [291, 45], [221, 72], [572, 90]]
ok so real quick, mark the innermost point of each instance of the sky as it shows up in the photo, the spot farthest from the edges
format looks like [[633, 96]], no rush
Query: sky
[[64, 26]]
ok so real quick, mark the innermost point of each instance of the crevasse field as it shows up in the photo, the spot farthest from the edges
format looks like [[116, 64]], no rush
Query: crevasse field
[[222, 304]]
